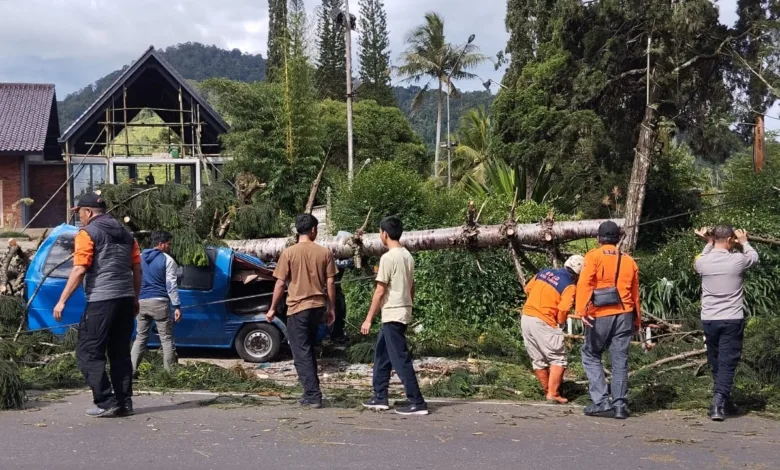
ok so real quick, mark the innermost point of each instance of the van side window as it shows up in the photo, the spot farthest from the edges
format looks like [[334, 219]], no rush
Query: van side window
[[63, 248], [198, 278]]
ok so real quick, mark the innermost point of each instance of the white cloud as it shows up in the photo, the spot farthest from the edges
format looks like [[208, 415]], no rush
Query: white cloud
[[75, 42]]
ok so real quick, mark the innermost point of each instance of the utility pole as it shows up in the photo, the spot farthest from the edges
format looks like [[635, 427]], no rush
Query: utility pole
[[348, 35]]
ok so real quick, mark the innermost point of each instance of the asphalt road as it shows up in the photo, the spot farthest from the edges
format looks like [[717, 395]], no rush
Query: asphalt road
[[183, 432]]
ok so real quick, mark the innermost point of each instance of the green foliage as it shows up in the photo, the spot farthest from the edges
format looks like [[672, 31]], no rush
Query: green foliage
[[12, 394], [17, 235], [458, 296], [61, 373], [374, 54], [170, 207], [379, 133], [423, 117], [536, 131], [761, 351], [141, 138], [673, 189], [273, 137], [201, 376], [332, 55], [277, 40], [463, 288], [574, 101], [430, 58], [669, 286], [471, 155], [386, 189]]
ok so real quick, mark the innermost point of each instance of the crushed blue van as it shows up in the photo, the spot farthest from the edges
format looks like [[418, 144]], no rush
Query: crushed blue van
[[223, 304]]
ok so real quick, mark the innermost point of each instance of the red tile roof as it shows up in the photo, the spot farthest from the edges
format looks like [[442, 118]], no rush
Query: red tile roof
[[25, 110]]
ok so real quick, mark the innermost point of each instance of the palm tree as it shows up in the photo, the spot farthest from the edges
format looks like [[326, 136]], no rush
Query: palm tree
[[429, 56], [471, 155]]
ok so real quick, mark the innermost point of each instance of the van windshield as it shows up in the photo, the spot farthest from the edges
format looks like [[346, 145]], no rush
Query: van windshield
[[59, 252]]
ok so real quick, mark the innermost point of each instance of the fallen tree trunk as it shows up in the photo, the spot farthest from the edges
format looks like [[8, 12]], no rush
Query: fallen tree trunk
[[437, 239]]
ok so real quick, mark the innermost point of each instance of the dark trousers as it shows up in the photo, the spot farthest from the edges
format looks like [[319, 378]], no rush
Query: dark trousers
[[105, 329], [724, 350], [301, 334], [392, 352], [337, 330]]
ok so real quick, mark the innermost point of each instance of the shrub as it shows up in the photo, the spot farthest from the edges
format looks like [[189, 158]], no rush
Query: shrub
[[387, 189]]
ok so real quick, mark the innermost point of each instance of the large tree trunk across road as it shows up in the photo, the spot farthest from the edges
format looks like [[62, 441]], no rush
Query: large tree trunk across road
[[466, 236]]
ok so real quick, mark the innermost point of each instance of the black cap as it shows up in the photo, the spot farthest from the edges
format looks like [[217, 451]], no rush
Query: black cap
[[609, 230], [90, 200]]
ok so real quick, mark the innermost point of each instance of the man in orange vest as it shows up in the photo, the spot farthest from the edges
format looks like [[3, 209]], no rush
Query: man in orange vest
[[550, 299], [608, 304]]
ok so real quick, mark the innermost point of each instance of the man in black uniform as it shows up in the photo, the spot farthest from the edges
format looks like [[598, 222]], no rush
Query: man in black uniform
[[108, 262]]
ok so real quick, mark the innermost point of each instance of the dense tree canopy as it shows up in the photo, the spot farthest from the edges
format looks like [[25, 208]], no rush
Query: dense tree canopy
[[577, 86], [380, 133]]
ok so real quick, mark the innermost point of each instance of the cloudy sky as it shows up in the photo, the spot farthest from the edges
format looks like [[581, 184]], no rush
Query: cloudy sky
[[74, 42]]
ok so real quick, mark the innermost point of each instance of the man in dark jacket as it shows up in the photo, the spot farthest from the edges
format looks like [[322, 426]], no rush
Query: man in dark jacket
[[108, 262], [158, 290]]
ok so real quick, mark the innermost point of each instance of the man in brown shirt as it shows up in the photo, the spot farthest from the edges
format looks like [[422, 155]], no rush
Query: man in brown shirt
[[308, 268]]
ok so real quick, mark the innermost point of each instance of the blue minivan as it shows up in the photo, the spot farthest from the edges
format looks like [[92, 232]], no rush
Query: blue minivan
[[223, 304]]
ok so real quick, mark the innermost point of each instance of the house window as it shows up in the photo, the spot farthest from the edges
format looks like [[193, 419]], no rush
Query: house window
[[87, 178]]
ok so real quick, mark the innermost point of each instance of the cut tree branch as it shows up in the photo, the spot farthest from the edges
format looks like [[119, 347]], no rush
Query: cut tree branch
[[661, 321], [667, 360], [765, 240], [316, 186]]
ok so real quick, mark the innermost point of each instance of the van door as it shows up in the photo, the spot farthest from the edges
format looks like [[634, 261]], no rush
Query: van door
[[202, 320], [40, 315]]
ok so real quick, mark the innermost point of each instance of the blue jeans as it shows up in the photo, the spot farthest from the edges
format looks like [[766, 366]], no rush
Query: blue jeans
[[611, 333], [391, 353]]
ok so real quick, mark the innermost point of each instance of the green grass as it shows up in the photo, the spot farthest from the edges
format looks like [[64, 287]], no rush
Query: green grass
[[12, 234]]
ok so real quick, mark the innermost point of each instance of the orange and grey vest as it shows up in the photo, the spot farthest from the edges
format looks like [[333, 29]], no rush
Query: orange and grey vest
[[111, 274]]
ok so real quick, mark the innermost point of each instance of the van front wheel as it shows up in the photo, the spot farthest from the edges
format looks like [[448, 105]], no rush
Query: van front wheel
[[258, 342]]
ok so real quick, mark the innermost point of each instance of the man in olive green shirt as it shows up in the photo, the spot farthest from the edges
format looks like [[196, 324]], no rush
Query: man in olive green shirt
[[395, 295]]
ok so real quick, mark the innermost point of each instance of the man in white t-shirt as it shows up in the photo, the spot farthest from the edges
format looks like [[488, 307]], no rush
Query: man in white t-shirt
[[394, 294]]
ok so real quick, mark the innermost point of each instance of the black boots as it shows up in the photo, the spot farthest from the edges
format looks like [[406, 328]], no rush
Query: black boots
[[717, 411], [602, 410], [621, 412]]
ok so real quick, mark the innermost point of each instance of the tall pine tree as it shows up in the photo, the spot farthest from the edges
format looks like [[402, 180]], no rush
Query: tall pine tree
[[374, 54], [277, 32], [332, 63]]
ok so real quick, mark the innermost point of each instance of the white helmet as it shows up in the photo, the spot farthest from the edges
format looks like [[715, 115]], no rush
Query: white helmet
[[575, 263]]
